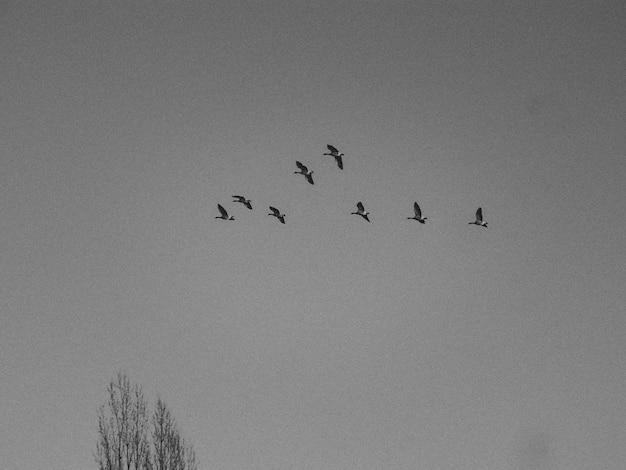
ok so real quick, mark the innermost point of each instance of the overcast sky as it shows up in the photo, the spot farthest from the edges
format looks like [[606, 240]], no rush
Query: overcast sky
[[327, 342]]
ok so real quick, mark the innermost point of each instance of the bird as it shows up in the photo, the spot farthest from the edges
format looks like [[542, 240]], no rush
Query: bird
[[335, 153], [305, 171], [276, 213], [224, 215], [361, 211], [479, 218], [418, 214], [244, 201]]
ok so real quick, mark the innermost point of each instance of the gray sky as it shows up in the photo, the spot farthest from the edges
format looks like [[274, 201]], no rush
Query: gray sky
[[327, 342]]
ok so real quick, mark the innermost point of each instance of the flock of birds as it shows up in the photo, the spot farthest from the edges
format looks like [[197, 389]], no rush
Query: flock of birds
[[360, 209]]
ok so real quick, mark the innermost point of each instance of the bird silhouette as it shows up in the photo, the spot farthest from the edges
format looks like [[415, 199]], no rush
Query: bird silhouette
[[479, 218], [276, 213], [418, 214], [335, 153], [244, 201], [305, 171], [224, 215], [361, 211]]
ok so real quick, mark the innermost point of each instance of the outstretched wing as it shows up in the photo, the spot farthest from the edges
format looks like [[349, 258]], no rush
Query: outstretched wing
[[365, 217], [418, 211], [359, 206], [275, 211], [332, 149], [479, 214], [222, 210], [339, 162], [248, 204], [240, 198], [301, 166], [309, 178]]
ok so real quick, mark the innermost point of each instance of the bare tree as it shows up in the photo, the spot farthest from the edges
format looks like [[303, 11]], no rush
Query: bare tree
[[123, 428], [123, 433], [171, 452]]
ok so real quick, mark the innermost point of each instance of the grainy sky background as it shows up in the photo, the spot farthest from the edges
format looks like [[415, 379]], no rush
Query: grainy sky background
[[328, 342]]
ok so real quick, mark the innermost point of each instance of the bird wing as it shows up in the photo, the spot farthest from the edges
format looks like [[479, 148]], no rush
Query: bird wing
[[301, 166], [359, 206], [248, 204], [339, 162], [332, 149], [479, 214], [275, 211], [309, 178], [240, 198], [418, 211], [365, 217], [222, 210]]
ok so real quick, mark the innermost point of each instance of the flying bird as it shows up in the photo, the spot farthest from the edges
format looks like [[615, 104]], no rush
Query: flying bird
[[276, 213], [305, 171], [479, 218], [418, 214], [244, 201], [224, 215], [361, 211], [335, 153]]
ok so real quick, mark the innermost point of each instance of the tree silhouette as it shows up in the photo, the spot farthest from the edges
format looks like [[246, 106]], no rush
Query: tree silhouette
[[123, 433], [170, 451]]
